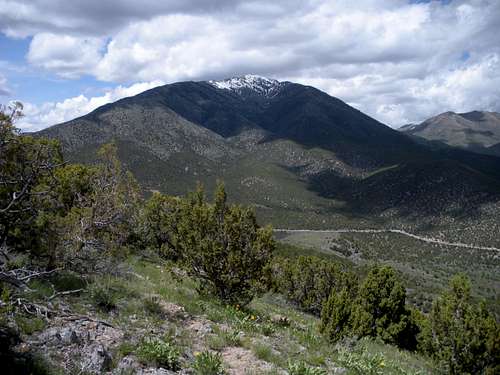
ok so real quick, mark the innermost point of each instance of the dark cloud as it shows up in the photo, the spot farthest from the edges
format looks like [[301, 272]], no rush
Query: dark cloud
[[99, 18]]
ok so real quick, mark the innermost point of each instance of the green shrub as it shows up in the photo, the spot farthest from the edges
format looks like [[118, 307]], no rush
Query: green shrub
[[267, 329], [380, 309], [126, 348], [68, 281], [224, 338], [263, 352], [336, 315], [103, 296], [27, 166], [157, 228], [152, 306], [220, 245], [160, 353], [30, 325], [247, 323], [301, 368], [461, 335], [363, 362], [208, 363], [308, 281]]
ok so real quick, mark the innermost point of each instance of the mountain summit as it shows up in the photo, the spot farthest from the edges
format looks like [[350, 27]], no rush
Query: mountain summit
[[250, 83]]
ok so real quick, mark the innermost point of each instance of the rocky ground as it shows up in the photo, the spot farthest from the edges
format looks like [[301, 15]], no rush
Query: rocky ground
[[268, 337]]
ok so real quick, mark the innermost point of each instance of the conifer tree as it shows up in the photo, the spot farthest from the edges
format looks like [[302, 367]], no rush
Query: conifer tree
[[462, 335]]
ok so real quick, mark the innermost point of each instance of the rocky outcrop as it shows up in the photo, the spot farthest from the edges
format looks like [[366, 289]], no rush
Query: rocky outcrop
[[79, 344]]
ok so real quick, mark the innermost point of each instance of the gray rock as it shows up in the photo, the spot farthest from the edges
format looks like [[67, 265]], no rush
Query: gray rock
[[68, 336], [82, 344], [127, 365], [340, 371], [98, 359]]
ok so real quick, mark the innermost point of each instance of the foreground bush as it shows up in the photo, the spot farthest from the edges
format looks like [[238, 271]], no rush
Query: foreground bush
[[208, 363], [27, 166], [463, 336], [336, 315], [160, 353], [301, 368], [379, 310], [96, 225], [308, 281], [158, 224], [220, 245]]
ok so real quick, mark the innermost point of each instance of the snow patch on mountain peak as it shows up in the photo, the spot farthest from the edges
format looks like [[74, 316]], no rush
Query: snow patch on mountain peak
[[260, 85]]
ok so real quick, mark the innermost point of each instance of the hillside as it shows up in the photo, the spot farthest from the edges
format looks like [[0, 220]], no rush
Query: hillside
[[95, 278], [474, 130], [495, 149], [271, 336], [302, 157]]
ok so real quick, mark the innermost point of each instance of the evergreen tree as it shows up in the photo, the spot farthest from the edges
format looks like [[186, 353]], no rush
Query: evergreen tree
[[27, 168], [380, 310], [220, 245], [336, 315], [308, 281], [463, 336], [100, 214], [157, 227]]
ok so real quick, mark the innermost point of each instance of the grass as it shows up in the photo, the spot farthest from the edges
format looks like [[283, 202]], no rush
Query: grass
[[264, 352], [159, 352], [29, 324], [208, 363], [223, 338], [301, 368], [298, 339], [258, 328], [152, 306], [373, 357]]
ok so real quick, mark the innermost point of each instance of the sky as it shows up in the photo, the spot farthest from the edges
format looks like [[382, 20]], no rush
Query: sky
[[400, 61]]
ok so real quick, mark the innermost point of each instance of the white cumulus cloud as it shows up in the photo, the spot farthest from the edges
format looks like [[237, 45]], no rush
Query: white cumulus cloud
[[69, 56], [397, 60], [4, 89], [37, 117]]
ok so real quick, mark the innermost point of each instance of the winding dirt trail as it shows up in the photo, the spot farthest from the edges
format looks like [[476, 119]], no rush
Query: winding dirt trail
[[398, 231]]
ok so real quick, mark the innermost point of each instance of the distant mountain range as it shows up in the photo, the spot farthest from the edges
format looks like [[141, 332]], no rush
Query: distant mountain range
[[477, 131], [301, 156]]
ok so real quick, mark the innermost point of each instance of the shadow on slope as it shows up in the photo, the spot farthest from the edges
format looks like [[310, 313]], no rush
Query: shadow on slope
[[412, 189]]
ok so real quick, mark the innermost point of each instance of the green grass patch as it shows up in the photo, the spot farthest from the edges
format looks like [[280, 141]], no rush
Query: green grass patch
[[208, 363], [158, 352]]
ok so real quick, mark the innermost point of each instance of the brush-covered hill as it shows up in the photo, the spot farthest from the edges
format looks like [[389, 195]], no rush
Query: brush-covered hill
[[495, 149], [301, 156]]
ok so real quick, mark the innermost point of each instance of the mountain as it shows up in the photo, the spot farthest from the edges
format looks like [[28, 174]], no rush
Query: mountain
[[475, 130], [302, 157], [495, 149]]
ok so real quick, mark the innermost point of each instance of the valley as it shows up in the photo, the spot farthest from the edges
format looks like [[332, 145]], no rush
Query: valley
[[302, 158], [426, 264]]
